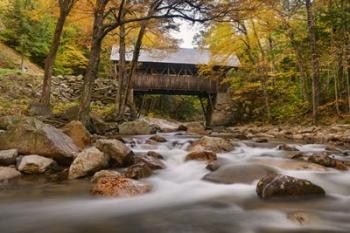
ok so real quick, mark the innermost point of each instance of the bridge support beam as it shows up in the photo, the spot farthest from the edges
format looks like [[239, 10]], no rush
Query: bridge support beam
[[208, 106], [222, 113]]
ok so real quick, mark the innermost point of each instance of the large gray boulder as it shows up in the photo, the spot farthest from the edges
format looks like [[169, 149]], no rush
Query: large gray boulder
[[244, 173], [116, 150], [31, 136], [214, 144], [35, 164], [138, 127], [8, 157], [8, 173], [88, 162], [276, 185]]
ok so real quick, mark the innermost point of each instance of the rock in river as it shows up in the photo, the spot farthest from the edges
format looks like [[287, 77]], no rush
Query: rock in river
[[104, 173], [116, 150], [7, 173], [276, 185], [201, 155], [152, 162], [87, 162], [158, 138], [138, 127], [244, 173], [79, 134], [119, 187], [214, 144], [31, 136], [138, 171], [8, 157], [35, 164]]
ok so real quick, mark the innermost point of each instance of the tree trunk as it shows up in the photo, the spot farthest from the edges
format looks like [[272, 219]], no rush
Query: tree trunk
[[121, 69], [300, 63], [50, 60], [315, 61], [92, 68]]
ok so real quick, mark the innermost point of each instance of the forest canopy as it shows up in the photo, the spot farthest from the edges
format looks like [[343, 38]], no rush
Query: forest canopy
[[294, 54]]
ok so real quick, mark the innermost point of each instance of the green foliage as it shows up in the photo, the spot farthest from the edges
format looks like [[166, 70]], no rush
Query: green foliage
[[29, 30], [183, 108], [29, 36]]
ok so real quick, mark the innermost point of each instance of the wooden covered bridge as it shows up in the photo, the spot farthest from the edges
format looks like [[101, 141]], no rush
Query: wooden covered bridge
[[176, 72]]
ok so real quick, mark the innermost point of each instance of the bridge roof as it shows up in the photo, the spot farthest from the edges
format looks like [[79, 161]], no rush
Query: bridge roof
[[180, 56]]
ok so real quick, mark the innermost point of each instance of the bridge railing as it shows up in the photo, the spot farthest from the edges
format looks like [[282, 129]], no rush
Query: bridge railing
[[189, 83]]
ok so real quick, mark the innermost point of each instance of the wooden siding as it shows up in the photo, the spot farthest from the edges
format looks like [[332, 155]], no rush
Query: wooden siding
[[183, 83]]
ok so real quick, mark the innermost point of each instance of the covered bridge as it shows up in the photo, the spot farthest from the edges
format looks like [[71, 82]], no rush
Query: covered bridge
[[176, 72]]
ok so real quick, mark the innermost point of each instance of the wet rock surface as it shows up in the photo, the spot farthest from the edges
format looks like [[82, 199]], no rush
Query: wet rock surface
[[8, 173], [104, 173], [138, 171], [152, 162], [119, 187], [116, 150], [201, 155], [87, 162], [79, 134], [231, 174], [155, 155], [35, 164], [158, 138], [275, 186], [31, 136], [138, 127], [214, 144], [8, 157]]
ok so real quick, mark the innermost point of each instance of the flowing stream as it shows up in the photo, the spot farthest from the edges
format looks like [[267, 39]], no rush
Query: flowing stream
[[180, 202]]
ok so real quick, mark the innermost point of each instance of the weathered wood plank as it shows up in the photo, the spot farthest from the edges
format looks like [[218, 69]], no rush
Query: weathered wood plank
[[144, 82]]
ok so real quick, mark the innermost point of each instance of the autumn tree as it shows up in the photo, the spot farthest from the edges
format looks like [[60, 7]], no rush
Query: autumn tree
[[108, 17], [315, 61], [65, 6]]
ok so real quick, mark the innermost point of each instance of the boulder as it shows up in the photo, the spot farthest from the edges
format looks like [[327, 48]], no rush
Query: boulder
[[276, 185], [155, 155], [193, 127], [104, 173], [216, 164], [152, 162], [327, 161], [99, 126], [31, 136], [79, 134], [287, 147], [116, 150], [244, 173], [138, 127], [119, 187], [290, 164], [138, 171], [261, 140], [8, 157], [212, 144], [87, 162], [35, 164], [158, 138], [8, 173], [201, 155]]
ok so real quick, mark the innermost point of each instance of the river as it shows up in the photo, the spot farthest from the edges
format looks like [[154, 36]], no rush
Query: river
[[180, 202]]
